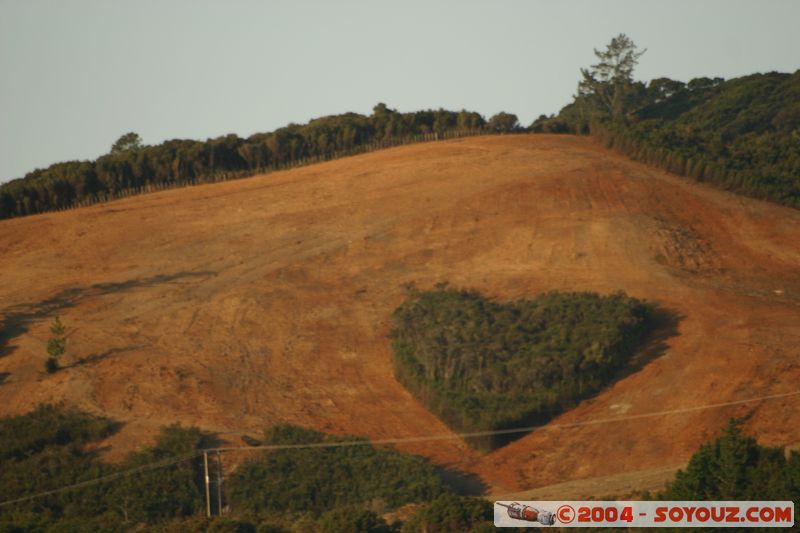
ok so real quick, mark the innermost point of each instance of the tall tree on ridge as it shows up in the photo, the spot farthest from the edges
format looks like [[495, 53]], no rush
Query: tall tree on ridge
[[609, 83]]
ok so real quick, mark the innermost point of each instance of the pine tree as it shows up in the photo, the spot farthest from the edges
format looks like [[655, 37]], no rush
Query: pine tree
[[734, 454], [735, 467], [609, 83]]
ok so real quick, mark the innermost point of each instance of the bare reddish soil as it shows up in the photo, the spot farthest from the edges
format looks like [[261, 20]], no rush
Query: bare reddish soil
[[237, 305]]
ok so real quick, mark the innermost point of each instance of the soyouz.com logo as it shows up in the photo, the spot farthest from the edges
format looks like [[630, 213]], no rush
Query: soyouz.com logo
[[644, 514]]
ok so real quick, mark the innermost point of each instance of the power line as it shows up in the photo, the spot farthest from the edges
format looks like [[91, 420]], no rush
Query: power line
[[527, 429], [110, 477], [403, 440]]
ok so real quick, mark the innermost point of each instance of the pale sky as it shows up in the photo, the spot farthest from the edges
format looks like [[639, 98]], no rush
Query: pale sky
[[76, 74]]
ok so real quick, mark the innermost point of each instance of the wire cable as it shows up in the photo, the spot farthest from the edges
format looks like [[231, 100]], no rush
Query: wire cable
[[510, 431], [452, 436], [110, 477]]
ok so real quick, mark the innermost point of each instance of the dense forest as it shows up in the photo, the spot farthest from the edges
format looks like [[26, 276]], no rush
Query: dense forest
[[160, 488], [482, 365], [131, 167], [741, 134]]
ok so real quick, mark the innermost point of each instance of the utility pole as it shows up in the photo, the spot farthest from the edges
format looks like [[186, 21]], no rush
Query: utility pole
[[219, 483], [208, 492]]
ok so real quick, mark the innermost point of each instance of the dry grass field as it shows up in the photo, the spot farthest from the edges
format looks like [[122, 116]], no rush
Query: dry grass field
[[236, 305]]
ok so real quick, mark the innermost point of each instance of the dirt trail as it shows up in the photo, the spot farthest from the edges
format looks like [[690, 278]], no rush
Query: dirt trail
[[236, 305]]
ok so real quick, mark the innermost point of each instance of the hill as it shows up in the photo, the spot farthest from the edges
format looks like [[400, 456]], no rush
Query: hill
[[132, 167], [742, 134], [236, 305]]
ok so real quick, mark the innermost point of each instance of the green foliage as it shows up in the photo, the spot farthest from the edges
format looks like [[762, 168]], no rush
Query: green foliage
[[43, 450], [449, 513], [270, 528], [56, 345], [193, 524], [127, 142], [45, 427], [131, 165], [742, 135], [503, 123], [482, 365], [57, 328], [606, 91], [290, 434], [569, 120], [157, 494], [46, 449], [352, 520], [735, 467], [227, 525], [314, 480], [608, 86], [160, 489]]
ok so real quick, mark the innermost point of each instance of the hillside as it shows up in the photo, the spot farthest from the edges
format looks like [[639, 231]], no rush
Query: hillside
[[742, 134], [236, 305], [132, 167]]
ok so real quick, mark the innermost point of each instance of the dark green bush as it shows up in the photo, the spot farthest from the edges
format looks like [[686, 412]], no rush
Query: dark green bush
[[227, 525], [449, 513], [314, 480], [270, 528], [48, 426], [352, 520]]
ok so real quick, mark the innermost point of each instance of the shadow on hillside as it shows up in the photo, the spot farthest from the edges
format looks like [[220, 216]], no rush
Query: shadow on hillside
[[97, 357], [17, 318], [215, 440], [4, 377], [664, 323], [463, 483]]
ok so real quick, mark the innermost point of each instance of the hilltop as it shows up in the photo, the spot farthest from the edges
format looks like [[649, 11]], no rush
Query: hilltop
[[236, 305], [740, 134]]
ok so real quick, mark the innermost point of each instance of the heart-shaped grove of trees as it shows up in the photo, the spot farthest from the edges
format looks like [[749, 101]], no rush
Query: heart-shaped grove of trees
[[482, 365]]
